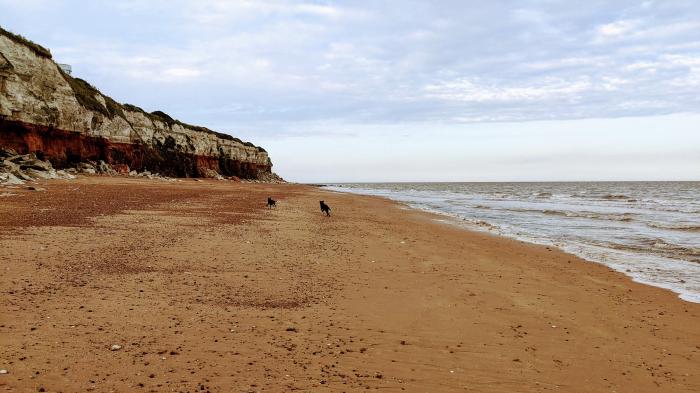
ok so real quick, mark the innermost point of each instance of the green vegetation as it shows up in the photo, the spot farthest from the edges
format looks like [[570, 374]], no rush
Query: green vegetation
[[86, 95], [164, 117], [133, 108], [36, 48]]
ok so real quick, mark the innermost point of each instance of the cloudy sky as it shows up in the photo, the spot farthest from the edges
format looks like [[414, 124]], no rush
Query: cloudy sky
[[405, 90]]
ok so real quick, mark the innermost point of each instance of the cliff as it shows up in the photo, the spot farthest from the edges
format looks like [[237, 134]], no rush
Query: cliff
[[65, 120]]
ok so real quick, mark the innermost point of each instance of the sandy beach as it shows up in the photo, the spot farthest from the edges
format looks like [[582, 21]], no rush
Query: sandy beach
[[117, 284]]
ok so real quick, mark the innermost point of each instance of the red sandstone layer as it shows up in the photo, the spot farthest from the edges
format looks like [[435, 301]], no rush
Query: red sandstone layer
[[65, 148]]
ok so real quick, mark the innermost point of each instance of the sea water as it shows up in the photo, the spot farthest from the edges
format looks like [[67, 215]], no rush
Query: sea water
[[647, 230]]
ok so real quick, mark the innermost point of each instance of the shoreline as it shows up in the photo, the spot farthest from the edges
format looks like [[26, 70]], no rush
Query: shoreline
[[483, 226], [201, 286]]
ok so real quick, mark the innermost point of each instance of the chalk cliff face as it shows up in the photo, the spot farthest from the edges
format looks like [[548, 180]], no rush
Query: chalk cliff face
[[65, 120]]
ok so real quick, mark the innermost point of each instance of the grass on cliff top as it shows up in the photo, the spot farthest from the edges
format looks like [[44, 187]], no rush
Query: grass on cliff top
[[86, 95], [164, 117], [36, 48]]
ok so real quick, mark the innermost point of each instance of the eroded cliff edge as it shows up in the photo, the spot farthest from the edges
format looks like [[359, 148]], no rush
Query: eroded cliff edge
[[65, 121]]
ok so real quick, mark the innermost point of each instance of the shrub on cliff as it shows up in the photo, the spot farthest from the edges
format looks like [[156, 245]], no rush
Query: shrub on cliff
[[36, 48], [86, 95], [164, 117]]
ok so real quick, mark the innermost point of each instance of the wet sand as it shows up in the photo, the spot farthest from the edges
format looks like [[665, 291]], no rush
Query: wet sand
[[204, 289]]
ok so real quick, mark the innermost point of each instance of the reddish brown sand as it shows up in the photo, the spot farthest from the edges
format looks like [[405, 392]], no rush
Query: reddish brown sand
[[206, 290]]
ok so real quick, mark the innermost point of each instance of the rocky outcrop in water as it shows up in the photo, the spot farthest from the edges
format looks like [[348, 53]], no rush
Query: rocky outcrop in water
[[65, 120]]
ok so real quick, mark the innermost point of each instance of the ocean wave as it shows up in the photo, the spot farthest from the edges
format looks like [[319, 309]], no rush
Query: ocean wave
[[615, 197], [624, 217], [484, 224], [676, 227], [660, 247]]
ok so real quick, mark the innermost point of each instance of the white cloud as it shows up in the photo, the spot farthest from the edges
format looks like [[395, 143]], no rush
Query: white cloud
[[616, 29], [469, 91], [220, 12], [306, 61], [180, 73]]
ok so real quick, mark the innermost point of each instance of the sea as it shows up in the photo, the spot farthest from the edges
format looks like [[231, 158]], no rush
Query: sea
[[648, 230]]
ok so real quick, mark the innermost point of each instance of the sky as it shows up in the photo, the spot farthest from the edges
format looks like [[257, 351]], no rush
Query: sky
[[355, 91]]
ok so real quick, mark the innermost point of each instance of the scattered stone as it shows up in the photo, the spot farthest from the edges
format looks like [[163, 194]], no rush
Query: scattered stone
[[10, 179], [115, 347], [8, 166], [210, 173], [105, 168], [122, 169], [23, 176], [7, 153], [85, 166], [15, 169], [3, 371], [65, 174], [41, 174]]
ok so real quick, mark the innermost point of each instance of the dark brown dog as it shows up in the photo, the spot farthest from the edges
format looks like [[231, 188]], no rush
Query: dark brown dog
[[325, 208], [271, 203]]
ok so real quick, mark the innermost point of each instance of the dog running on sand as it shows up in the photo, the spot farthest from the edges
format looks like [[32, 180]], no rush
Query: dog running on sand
[[271, 203], [325, 208]]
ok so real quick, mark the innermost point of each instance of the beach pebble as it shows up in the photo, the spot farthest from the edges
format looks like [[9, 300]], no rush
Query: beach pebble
[[115, 347]]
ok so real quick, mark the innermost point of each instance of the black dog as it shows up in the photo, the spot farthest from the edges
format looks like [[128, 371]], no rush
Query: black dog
[[325, 208], [271, 203]]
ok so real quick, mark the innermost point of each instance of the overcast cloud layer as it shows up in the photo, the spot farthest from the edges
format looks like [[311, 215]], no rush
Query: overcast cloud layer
[[270, 70]]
